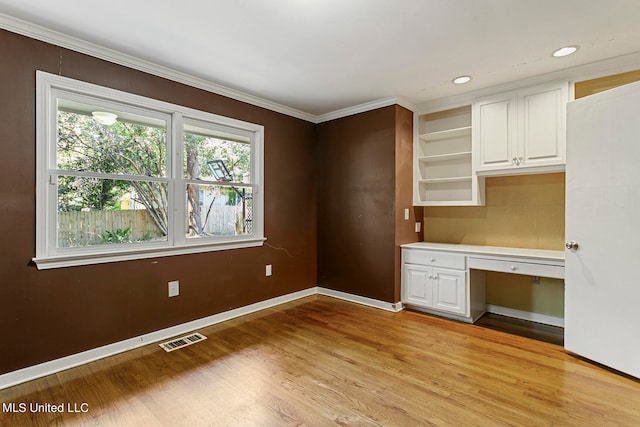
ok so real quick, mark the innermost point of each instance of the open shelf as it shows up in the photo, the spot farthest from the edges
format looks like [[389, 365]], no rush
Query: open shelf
[[443, 180], [443, 165], [445, 157], [446, 134]]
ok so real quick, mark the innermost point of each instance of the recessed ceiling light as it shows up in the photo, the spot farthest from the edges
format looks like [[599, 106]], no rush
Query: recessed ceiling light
[[564, 51], [460, 80]]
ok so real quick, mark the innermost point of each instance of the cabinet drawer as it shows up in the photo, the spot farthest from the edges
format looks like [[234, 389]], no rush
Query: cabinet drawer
[[515, 267], [434, 259]]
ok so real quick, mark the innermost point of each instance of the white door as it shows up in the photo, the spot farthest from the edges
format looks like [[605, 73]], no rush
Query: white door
[[602, 285]]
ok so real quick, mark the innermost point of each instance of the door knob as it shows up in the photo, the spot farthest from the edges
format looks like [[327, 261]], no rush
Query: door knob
[[571, 245]]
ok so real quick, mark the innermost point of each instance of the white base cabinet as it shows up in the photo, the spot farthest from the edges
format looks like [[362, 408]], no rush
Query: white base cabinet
[[449, 279], [436, 288], [436, 282]]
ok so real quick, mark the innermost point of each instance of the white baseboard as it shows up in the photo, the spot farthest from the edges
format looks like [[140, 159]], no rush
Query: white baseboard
[[57, 365], [47, 368], [389, 306], [526, 315]]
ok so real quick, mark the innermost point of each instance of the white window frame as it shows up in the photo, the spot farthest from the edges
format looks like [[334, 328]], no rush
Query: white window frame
[[50, 87]]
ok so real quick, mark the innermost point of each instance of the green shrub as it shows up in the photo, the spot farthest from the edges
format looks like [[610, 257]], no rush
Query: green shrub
[[117, 235]]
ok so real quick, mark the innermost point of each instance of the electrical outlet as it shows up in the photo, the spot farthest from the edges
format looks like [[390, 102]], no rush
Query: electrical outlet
[[418, 227], [268, 270], [174, 288]]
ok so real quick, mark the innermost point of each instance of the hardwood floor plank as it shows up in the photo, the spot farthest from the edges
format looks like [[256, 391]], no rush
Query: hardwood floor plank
[[326, 362], [525, 328]]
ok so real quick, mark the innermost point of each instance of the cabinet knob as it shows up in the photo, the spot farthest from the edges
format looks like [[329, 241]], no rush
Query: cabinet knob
[[432, 259], [513, 268]]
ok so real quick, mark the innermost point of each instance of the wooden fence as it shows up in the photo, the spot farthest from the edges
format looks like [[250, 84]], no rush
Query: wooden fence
[[87, 228]]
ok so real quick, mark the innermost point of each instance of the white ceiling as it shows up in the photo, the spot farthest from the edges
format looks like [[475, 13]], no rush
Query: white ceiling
[[319, 56]]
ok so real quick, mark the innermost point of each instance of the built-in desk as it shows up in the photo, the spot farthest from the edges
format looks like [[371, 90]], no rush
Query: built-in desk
[[449, 279]]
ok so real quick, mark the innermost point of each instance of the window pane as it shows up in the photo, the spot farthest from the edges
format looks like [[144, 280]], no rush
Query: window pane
[[216, 159], [94, 211], [214, 210], [132, 144]]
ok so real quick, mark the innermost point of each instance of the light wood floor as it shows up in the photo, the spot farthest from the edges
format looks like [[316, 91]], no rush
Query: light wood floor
[[325, 362]]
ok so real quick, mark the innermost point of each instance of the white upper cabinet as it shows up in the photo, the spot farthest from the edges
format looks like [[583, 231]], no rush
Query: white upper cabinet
[[494, 135], [522, 131]]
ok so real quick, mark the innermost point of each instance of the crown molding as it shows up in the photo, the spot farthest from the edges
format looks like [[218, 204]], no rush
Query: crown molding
[[582, 72], [403, 102], [38, 32], [364, 107], [356, 109], [57, 38], [592, 70]]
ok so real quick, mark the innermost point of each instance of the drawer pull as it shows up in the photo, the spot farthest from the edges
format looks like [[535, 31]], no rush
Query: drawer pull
[[513, 268], [434, 259]]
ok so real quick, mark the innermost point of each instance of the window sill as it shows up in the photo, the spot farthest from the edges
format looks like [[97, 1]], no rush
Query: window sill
[[80, 259]]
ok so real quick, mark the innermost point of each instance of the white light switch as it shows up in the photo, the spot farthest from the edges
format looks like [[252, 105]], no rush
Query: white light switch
[[418, 227], [406, 214], [267, 270]]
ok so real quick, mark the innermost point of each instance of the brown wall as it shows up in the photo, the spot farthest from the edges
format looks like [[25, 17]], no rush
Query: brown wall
[[364, 184], [53, 313], [405, 229], [356, 185]]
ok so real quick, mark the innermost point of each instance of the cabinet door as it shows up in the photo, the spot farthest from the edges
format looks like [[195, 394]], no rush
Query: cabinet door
[[542, 125], [418, 285], [450, 290], [494, 132]]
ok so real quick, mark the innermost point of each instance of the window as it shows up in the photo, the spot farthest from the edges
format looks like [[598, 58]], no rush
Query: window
[[121, 177]]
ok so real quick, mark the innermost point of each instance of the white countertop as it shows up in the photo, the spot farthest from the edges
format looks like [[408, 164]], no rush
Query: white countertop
[[479, 250]]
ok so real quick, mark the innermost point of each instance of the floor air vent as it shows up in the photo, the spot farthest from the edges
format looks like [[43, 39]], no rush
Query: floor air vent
[[182, 342]]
